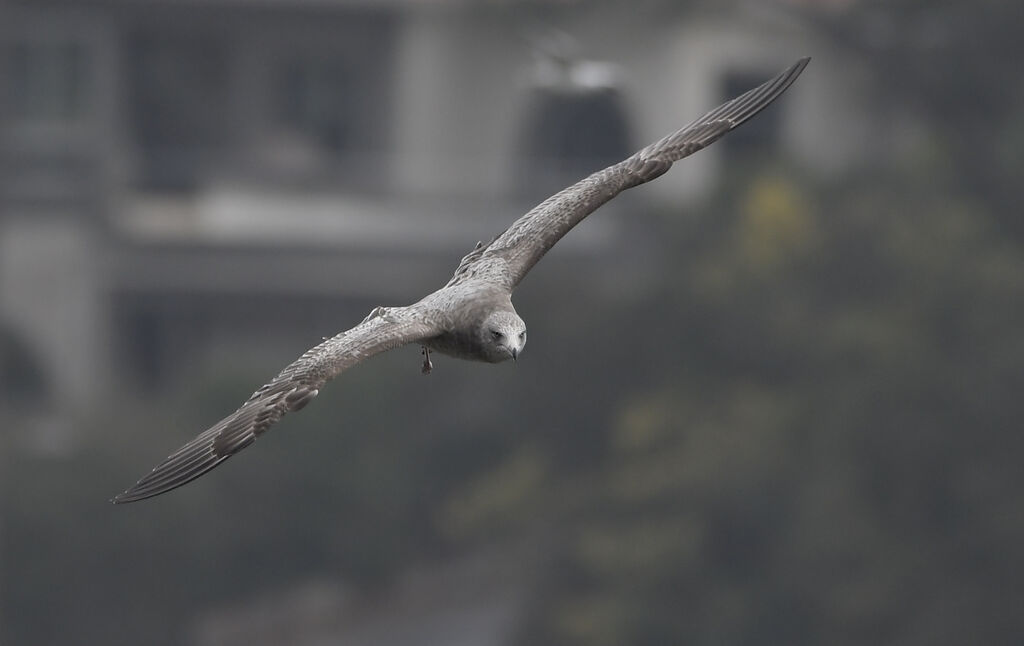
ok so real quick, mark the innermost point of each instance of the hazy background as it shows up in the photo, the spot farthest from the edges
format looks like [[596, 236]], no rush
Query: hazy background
[[815, 440]]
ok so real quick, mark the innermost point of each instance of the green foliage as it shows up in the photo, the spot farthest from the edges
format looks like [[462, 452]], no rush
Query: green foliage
[[830, 446], [816, 441]]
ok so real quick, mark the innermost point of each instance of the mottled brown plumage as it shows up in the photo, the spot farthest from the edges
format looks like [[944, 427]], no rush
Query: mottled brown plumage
[[471, 317]]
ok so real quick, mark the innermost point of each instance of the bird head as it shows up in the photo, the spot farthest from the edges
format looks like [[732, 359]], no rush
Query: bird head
[[504, 335]]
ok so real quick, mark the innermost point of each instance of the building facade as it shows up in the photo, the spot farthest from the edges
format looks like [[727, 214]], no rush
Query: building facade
[[178, 179]]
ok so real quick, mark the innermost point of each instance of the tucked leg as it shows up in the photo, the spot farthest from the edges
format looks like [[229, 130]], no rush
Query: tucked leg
[[427, 366]]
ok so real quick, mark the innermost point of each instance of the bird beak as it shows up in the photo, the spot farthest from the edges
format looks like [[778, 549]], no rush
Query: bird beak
[[515, 354]]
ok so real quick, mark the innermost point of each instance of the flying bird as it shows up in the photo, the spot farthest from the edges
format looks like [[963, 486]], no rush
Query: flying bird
[[472, 316]]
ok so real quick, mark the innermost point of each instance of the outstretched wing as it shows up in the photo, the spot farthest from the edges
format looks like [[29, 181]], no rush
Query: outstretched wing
[[512, 254], [293, 388]]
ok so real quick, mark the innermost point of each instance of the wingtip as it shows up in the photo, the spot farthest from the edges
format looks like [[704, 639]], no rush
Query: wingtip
[[132, 495], [790, 75], [123, 497], [141, 491]]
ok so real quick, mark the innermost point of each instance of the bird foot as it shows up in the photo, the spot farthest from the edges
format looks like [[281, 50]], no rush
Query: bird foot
[[427, 365]]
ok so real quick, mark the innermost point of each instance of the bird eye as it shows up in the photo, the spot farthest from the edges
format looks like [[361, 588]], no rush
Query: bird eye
[[498, 336], [522, 335]]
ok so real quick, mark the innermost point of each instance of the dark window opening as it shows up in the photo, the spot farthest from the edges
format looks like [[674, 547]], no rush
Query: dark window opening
[[178, 107], [570, 134], [47, 81], [757, 138], [315, 101], [146, 349], [23, 380]]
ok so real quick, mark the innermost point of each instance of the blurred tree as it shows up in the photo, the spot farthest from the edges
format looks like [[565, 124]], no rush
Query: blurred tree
[[952, 68], [817, 442], [830, 456]]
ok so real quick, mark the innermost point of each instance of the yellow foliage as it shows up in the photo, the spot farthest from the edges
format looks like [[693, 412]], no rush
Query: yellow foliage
[[649, 549], [595, 620], [777, 223], [645, 422], [496, 494]]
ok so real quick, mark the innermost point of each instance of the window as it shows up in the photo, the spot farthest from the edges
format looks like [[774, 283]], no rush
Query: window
[[570, 134], [758, 137], [23, 380], [315, 99], [47, 81], [178, 101]]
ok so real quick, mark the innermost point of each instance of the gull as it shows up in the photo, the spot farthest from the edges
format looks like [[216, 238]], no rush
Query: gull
[[472, 316]]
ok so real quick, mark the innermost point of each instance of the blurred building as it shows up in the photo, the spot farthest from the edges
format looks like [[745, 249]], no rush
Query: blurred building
[[182, 179]]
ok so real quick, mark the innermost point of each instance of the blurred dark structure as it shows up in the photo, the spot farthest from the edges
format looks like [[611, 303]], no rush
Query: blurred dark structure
[[201, 158], [817, 443]]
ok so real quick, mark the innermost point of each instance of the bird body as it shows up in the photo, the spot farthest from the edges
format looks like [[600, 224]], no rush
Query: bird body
[[488, 329], [472, 316]]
